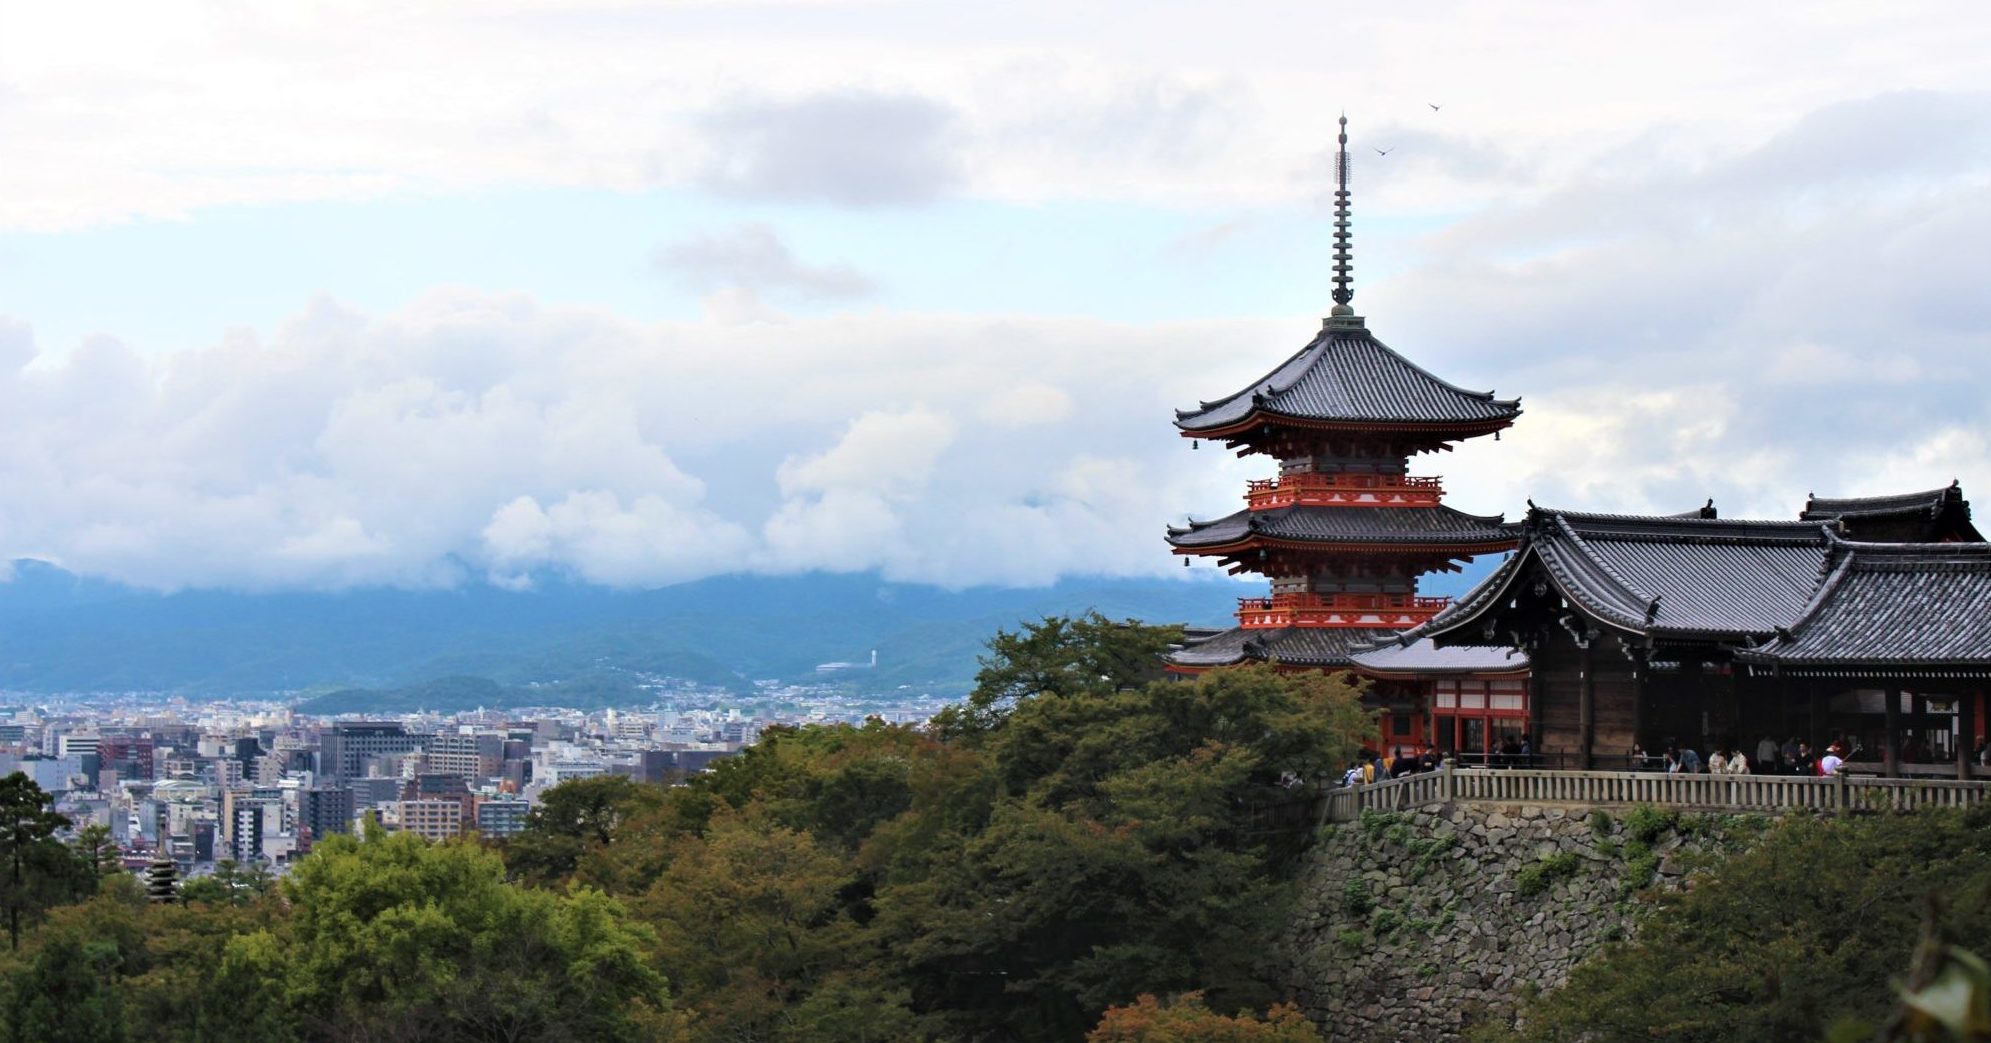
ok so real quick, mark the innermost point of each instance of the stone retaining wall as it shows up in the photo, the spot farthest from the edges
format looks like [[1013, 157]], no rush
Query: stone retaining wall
[[1417, 925]]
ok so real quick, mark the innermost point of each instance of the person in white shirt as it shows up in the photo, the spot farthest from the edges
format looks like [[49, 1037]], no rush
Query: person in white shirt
[[1829, 764]]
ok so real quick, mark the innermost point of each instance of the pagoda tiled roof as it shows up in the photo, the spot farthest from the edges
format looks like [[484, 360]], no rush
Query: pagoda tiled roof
[[1669, 577], [1291, 646], [1346, 375], [1916, 608], [1422, 658], [1391, 526]]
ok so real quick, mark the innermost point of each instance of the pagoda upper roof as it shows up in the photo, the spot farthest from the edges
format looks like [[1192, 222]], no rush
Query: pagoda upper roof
[[1913, 608], [1291, 646], [1345, 377], [1678, 577], [1391, 526]]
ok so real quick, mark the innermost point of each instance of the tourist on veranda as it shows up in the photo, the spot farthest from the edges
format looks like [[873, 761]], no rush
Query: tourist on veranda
[[1832, 761], [1737, 763], [1527, 750], [1804, 763], [1690, 762], [1768, 756], [1788, 755]]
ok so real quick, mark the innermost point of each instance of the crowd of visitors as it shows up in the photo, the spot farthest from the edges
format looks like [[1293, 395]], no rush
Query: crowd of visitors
[[1793, 756]]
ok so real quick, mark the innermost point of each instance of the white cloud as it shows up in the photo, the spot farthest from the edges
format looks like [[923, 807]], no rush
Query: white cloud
[[153, 109]]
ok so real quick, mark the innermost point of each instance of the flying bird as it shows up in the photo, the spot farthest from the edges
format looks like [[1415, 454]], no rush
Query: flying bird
[[1434, 108], [1385, 151]]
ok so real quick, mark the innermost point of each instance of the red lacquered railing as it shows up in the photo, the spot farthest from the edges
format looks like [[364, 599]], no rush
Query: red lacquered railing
[[1337, 610], [1343, 490]]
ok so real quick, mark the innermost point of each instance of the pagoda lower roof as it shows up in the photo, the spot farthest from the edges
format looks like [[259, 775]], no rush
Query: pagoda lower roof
[[1420, 658], [1348, 377], [1393, 528], [1291, 646]]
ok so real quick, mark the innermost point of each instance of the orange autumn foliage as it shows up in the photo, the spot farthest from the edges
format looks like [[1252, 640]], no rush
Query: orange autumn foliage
[[1185, 1019]]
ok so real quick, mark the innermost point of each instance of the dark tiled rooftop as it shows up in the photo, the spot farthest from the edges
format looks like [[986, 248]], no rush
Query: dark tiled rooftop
[[1294, 646], [1916, 606], [1422, 658], [1397, 526], [1348, 375], [1683, 577]]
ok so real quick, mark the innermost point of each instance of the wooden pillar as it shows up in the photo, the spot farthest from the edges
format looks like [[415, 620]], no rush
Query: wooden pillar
[[1966, 732], [1535, 706], [1640, 668], [1586, 710], [1893, 740]]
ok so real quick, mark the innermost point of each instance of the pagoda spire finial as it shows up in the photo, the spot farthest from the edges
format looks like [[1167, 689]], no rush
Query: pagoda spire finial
[[1344, 268]]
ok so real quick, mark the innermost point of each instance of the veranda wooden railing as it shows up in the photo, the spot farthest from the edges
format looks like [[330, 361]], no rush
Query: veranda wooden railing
[[1725, 792]]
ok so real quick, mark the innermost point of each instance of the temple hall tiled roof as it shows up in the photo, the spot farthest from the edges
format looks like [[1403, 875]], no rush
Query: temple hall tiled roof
[[1915, 608], [1421, 658], [1679, 577], [1291, 646], [1391, 526], [1348, 376], [1825, 508], [1938, 514]]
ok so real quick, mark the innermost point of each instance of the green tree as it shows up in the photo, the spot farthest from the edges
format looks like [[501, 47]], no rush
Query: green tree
[[97, 855], [573, 819], [1059, 656], [231, 883], [390, 937], [1123, 854], [754, 925], [1803, 931], [39, 870]]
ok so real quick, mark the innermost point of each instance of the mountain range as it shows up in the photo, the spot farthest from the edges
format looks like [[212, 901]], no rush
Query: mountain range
[[61, 632]]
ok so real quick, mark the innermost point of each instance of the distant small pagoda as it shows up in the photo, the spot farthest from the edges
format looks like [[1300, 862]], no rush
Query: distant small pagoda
[[1344, 531]]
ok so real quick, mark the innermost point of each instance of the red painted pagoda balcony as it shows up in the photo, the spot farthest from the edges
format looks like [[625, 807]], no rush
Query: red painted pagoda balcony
[[1337, 610], [1343, 490]]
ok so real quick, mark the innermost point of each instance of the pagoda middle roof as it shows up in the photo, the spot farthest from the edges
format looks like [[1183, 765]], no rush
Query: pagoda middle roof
[[1346, 375], [1393, 526]]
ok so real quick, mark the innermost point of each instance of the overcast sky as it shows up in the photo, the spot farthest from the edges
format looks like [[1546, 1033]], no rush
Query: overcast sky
[[417, 292]]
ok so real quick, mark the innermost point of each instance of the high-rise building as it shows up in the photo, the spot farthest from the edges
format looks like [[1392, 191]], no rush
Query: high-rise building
[[130, 756], [502, 817], [477, 755], [345, 747], [438, 819], [325, 810]]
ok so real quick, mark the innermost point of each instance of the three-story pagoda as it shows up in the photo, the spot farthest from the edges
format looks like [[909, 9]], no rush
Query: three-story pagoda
[[1344, 530]]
